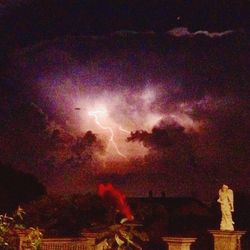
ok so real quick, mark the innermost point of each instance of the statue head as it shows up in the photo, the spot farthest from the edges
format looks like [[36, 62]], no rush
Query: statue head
[[224, 187]]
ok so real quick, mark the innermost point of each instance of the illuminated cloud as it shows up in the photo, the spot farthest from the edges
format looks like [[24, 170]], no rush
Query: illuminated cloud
[[186, 105], [184, 32]]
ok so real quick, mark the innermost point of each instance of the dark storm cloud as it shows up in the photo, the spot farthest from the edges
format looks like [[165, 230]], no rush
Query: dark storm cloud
[[225, 136], [26, 22], [160, 137], [202, 77], [218, 153], [51, 53], [32, 142], [168, 144], [215, 63], [183, 69]]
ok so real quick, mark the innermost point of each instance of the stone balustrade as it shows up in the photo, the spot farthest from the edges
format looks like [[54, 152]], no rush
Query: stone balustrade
[[223, 240]]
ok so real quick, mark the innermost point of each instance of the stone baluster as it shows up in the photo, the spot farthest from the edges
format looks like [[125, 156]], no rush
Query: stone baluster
[[178, 243]]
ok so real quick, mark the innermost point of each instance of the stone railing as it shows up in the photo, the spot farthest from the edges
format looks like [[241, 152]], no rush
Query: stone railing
[[65, 244], [86, 242], [223, 240]]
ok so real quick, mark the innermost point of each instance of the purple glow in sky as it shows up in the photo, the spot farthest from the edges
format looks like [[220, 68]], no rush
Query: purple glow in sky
[[157, 104]]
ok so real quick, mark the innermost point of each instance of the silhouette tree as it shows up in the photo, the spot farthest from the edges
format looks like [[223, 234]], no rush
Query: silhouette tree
[[17, 187]]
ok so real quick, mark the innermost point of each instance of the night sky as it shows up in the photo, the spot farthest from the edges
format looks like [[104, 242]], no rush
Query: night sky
[[147, 95]]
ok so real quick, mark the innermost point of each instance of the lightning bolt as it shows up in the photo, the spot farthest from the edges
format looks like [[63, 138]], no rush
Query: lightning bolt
[[124, 130], [111, 139]]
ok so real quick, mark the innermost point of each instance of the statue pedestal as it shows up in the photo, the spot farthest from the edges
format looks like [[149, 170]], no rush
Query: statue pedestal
[[179, 243], [227, 240]]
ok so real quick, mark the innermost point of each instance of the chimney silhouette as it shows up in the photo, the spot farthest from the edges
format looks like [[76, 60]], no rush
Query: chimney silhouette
[[150, 194]]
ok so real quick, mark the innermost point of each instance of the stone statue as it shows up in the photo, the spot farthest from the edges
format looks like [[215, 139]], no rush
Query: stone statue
[[226, 201]]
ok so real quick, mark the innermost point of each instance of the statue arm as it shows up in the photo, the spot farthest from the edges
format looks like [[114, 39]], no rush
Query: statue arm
[[219, 199], [231, 199]]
